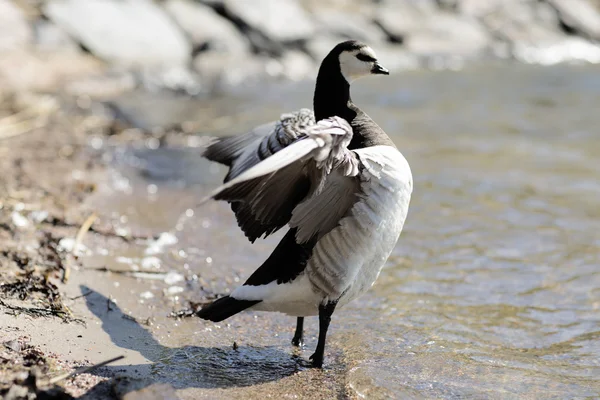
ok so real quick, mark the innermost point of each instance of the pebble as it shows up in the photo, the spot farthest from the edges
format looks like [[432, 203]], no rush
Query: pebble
[[146, 295], [174, 290], [67, 244], [158, 246], [173, 277], [19, 220], [151, 263]]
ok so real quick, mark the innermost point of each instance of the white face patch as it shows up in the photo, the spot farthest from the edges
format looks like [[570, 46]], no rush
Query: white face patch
[[352, 68]]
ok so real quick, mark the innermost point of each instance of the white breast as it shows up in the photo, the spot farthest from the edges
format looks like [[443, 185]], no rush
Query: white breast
[[346, 261]]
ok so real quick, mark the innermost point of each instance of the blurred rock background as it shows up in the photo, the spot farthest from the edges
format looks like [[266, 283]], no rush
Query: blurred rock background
[[105, 47]]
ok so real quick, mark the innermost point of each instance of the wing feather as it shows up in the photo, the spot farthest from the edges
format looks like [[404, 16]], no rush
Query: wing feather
[[243, 152], [308, 184]]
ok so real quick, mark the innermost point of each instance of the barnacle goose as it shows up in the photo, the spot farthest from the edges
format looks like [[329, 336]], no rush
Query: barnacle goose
[[339, 183]]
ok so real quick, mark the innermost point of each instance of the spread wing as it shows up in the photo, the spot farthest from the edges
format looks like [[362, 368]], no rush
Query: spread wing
[[244, 151], [310, 183]]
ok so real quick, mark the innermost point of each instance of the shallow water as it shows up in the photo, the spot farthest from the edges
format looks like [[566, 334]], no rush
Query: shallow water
[[494, 287]]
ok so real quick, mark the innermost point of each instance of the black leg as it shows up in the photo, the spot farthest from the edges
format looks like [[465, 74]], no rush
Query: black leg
[[298, 339], [325, 312]]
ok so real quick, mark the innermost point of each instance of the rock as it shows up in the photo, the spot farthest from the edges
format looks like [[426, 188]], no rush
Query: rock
[[102, 86], [50, 37], [48, 71], [207, 29], [500, 12], [566, 49], [529, 31], [579, 15], [479, 9], [448, 34], [14, 29], [126, 32], [155, 111], [424, 6], [178, 78], [279, 20], [298, 65], [225, 71], [399, 19], [513, 21], [349, 25], [13, 345]]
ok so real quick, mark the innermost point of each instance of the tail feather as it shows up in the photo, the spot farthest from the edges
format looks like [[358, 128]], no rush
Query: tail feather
[[224, 308]]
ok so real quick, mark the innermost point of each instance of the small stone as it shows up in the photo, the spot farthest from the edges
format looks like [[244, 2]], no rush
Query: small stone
[[39, 216], [146, 295], [158, 246], [173, 290], [19, 220], [67, 244], [173, 277], [151, 263], [13, 345]]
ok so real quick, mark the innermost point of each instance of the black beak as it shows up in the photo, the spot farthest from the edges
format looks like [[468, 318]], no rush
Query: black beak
[[379, 69]]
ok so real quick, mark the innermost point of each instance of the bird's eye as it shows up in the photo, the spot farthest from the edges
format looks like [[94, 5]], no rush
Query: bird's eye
[[364, 57]]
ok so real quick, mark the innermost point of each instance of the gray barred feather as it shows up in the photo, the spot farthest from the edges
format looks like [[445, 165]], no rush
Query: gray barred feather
[[263, 204]]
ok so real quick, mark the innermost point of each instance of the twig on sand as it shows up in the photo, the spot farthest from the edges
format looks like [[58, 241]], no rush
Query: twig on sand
[[57, 221], [83, 370], [85, 227], [63, 313], [19, 128], [158, 275], [27, 120]]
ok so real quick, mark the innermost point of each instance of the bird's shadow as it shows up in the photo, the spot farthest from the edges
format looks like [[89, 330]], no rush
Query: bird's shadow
[[188, 366]]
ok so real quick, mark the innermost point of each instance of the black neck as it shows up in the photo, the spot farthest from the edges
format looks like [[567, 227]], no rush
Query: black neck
[[332, 92], [332, 98]]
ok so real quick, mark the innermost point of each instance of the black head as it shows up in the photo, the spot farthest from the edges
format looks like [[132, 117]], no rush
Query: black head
[[347, 61], [355, 60]]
